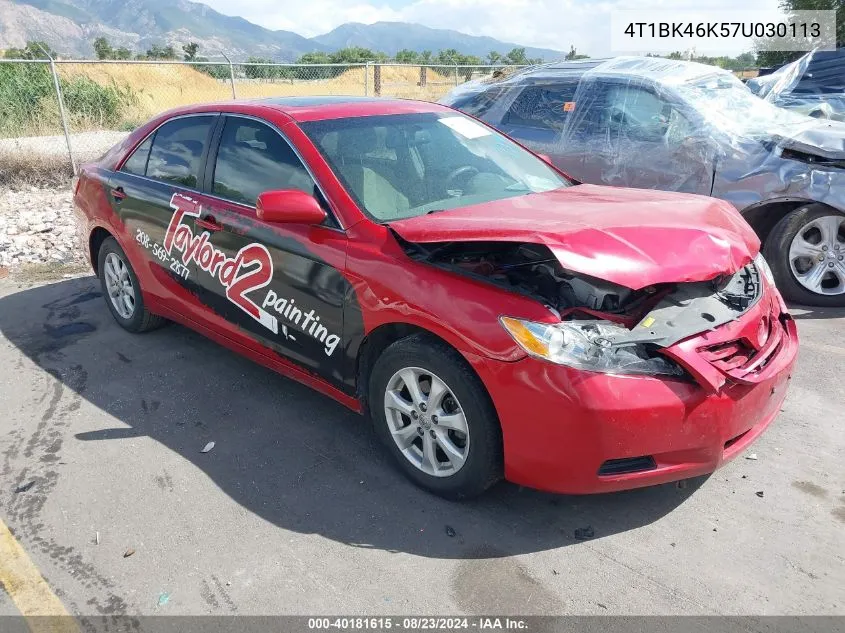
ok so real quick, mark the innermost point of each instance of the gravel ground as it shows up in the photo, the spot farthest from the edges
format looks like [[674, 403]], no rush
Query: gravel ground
[[37, 226]]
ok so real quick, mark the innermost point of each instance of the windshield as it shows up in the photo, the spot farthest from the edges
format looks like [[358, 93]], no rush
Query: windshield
[[724, 101], [403, 165]]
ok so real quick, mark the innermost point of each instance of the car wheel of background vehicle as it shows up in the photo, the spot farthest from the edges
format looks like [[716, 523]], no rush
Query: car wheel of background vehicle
[[122, 290], [435, 417], [806, 252]]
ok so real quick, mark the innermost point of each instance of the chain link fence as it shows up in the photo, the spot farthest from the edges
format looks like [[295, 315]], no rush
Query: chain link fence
[[55, 115]]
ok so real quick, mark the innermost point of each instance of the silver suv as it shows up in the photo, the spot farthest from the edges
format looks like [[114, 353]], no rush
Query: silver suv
[[654, 123]]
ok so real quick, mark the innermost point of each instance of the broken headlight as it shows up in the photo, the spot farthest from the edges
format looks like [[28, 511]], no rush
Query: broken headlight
[[588, 345], [763, 268]]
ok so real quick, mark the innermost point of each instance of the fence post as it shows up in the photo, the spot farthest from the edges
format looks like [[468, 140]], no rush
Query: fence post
[[61, 100], [456, 74], [423, 76], [231, 74], [377, 79], [367, 79]]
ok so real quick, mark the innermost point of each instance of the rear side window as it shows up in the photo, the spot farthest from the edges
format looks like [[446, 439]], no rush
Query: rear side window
[[137, 163], [544, 107], [254, 158], [177, 149]]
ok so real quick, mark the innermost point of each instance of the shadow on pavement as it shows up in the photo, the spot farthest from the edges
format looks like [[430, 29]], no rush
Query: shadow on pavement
[[287, 454]]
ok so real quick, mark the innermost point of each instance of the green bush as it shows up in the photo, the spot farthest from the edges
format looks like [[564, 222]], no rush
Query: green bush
[[28, 101], [92, 104], [22, 89]]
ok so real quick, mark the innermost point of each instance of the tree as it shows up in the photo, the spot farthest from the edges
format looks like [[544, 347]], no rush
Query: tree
[[406, 56], [32, 50], [494, 57], [161, 52], [122, 53], [778, 58], [517, 57], [103, 49], [190, 50]]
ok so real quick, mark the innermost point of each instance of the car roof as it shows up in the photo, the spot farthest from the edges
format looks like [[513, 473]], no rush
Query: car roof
[[658, 69], [302, 109]]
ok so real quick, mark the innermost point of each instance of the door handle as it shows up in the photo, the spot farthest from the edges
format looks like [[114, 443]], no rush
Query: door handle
[[118, 194], [209, 223]]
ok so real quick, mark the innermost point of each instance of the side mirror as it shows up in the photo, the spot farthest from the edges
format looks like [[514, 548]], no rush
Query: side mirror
[[289, 206]]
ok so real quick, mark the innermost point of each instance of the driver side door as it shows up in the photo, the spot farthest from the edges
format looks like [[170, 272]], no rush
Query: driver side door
[[645, 141]]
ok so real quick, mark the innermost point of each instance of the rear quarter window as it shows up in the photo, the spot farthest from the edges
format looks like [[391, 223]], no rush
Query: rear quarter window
[[177, 149]]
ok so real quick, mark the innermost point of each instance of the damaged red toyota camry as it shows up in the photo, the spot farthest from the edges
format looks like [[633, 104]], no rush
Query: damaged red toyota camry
[[493, 318]]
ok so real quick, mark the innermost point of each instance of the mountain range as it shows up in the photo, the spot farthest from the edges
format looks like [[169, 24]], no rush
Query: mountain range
[[70, 27]]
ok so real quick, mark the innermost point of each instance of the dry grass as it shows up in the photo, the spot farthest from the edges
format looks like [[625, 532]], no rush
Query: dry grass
[[32, 169], [164, 86]]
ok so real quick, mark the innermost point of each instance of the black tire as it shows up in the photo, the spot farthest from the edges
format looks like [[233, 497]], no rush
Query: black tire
[[141, 320], [484, 461], [776, 252]]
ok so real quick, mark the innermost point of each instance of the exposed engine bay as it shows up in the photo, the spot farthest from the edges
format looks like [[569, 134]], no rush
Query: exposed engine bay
[[660, 314]]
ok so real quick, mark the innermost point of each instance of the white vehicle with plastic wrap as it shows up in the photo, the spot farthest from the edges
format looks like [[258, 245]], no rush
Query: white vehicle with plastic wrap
[[654, 123]]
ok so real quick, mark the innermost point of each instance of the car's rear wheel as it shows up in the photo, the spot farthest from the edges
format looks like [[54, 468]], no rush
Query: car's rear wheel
[[806, 252], [435, 417], [122, 290]]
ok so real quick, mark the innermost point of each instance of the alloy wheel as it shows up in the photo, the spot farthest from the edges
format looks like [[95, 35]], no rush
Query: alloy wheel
[[817, 255], [119, 285], [426, 421]]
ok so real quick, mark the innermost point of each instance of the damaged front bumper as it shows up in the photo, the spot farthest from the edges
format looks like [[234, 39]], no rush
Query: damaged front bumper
[[572, 431]]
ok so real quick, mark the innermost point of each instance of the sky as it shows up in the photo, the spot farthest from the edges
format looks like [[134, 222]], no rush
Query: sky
[[556, 24]]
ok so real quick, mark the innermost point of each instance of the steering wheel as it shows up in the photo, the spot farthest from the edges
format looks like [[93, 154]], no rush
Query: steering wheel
[[456, 173]]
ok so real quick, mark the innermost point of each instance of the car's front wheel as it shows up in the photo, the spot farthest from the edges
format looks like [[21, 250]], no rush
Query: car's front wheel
[[806, 252], [435, 417], [122, 290]]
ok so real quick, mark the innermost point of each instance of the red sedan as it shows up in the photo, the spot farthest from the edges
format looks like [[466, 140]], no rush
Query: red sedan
[[493, 318]]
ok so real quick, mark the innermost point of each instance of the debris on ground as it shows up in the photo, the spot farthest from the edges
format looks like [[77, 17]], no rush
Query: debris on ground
[[163, 599], [583, 534], [450, 531], [207, 447], [759, 493], [554, 572], [96, 538], [25, 487], [128, 553], [752, 457]]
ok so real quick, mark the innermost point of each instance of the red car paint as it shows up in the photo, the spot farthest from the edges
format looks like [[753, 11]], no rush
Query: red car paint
[[576, 420], [592, 230]]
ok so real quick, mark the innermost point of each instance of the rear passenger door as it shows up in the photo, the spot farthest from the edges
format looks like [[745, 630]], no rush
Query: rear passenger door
[[279, 284], [168, 162]]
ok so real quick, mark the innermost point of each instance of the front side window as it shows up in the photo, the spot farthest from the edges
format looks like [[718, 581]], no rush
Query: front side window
[[254, 158], [403, 165], [641, 115], [177, 149]]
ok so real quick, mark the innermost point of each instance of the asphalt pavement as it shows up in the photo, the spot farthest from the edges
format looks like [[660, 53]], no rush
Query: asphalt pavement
[[297, 510]]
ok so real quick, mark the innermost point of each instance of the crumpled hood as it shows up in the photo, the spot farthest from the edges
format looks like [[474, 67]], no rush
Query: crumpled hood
[[815, 136], [631, 237]]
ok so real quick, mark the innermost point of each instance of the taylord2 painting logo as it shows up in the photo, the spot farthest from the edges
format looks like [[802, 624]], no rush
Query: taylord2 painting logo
[[249, 270]]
